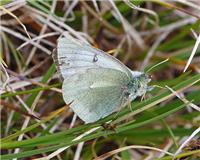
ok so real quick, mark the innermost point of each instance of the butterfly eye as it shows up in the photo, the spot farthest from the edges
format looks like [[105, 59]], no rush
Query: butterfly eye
[[126, 94]]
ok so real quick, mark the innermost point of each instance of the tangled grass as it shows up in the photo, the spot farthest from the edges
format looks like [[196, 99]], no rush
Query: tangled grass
[[37, 124]]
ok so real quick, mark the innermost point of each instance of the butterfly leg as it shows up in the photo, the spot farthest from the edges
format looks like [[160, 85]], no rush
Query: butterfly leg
[[143, 97], [129, 105], [124, 101], [127, 99], [117, 113]]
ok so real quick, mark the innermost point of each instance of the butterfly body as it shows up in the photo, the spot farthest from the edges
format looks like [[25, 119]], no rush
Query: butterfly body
[[95, 83]]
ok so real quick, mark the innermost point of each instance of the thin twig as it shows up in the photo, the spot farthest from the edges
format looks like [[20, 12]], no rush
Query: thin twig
[[192, 105], [193, 53], [78, 151], [64, 148], [43, 30], [108, 154], [36, 38], [186, 141], [153, 49], [20, 36], [128, 28], [24, 27]]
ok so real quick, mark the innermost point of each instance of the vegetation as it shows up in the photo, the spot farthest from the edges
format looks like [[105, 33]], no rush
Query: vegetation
[[35, 121]]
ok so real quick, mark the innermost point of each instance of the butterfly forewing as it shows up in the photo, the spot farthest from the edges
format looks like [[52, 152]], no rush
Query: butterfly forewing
[[74, 57]]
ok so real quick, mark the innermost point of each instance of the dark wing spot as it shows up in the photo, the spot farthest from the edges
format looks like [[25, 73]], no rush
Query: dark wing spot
[[63, 63], [95, 58], [63, 57]]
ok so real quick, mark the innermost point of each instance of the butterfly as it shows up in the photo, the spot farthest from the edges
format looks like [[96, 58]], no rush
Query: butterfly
[[95, 84]]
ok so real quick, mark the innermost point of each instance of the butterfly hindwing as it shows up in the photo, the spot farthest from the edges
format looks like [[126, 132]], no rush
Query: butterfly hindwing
[[95, 94]]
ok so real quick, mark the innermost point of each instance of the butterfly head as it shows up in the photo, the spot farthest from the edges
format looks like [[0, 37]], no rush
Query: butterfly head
[[139, 85], [142, 82]]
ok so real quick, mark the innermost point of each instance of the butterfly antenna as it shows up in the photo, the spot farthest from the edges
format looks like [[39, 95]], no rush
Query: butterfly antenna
[[157, 86], [157, 65]]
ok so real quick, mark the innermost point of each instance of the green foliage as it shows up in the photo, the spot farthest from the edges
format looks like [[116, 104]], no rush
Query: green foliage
[[160, 117]]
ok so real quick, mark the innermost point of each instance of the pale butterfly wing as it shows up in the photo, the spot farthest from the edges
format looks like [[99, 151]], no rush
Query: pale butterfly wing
[[95, 94], [94, 81], [74, 57]]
